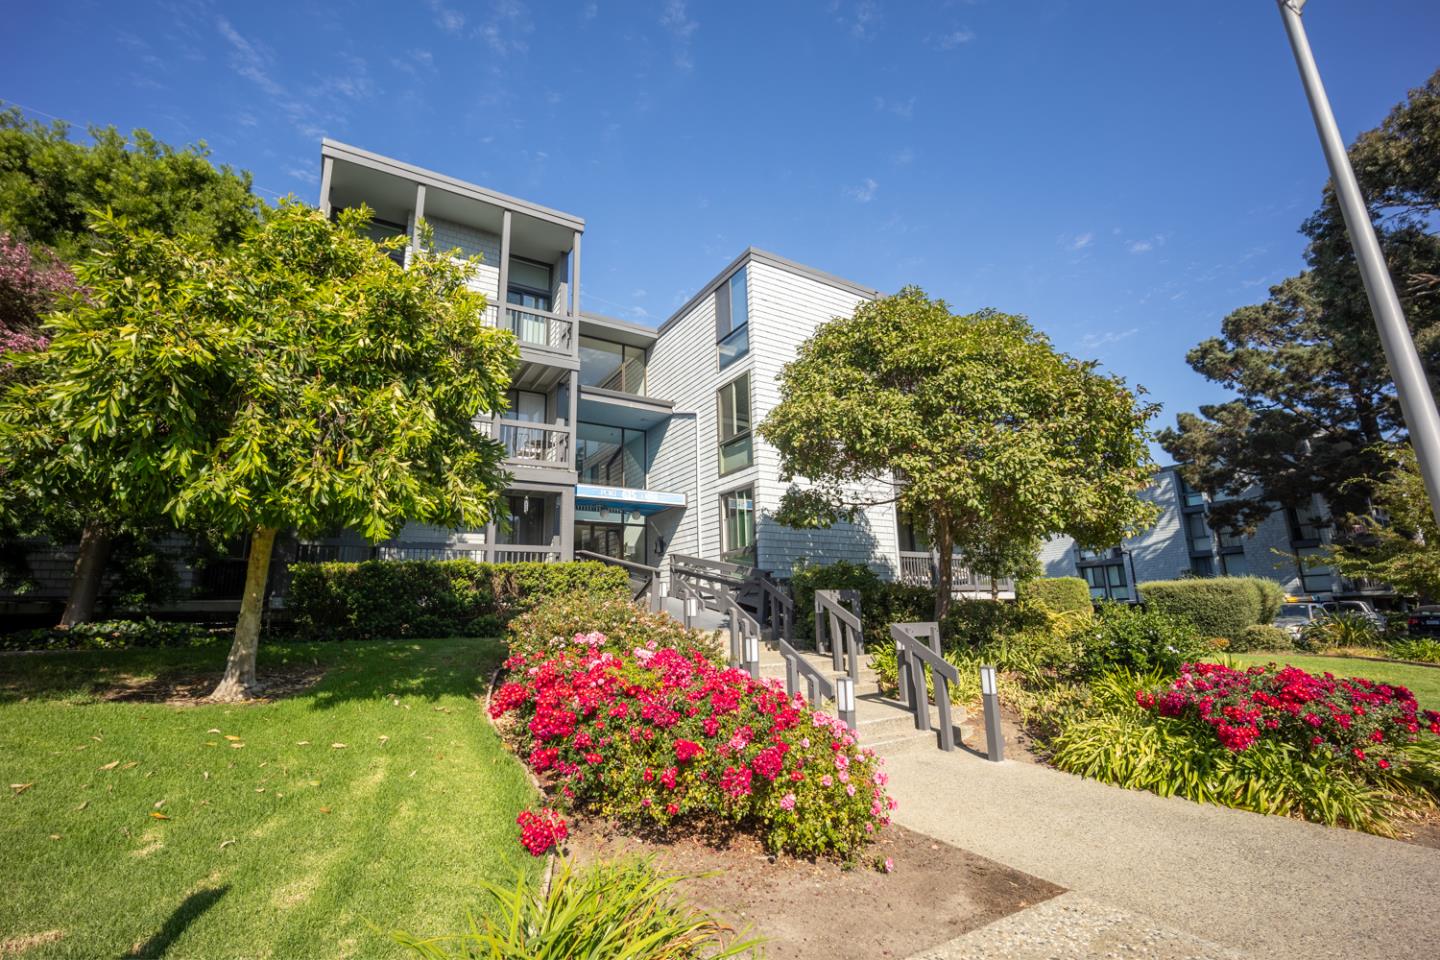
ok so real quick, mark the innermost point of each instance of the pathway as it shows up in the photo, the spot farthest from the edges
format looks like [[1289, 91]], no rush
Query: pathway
[[1266, 886]]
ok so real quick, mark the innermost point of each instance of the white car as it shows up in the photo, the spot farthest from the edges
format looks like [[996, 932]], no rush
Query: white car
[[1295, 617]]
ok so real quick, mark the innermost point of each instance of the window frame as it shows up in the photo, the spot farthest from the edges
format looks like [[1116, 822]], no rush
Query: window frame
[[732, 440], [727, 331], [728, 552]]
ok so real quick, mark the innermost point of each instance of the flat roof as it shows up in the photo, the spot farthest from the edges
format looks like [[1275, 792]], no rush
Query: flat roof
[[774, 260], [357, 155]]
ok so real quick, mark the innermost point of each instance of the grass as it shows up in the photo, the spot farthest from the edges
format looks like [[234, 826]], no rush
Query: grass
[[1424, 682], [283, 847]]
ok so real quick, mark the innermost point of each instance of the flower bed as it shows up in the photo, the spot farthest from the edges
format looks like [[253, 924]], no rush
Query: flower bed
[[1360, 722], [657, 736]]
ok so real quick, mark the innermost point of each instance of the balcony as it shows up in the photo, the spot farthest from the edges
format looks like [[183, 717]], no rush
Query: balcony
[[530, 444], [551, 335], [919, 569]]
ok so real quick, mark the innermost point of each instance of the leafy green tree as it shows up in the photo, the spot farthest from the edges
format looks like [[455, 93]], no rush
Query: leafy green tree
[[1315, 397], [981, 425], [1396, 542], [300, 379], [49, 185]]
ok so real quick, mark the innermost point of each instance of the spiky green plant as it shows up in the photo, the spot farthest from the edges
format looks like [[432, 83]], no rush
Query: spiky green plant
[[610, 911]]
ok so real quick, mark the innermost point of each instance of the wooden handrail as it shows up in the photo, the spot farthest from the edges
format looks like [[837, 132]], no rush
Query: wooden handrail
[[819, 687], [911, 658]]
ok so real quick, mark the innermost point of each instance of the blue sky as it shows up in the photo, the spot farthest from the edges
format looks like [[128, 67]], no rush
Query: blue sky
[[1124, 173]]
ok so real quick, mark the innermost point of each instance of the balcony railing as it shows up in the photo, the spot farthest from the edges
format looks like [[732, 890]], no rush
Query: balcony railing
[[919, 569], [533, 443], [536, 328]]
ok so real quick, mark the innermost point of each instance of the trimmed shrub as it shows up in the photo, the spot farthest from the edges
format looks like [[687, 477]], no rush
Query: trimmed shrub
[[432, 598], [554, 624], [881, 603], [1261, 636], [109, 635], [1127, 638], [974, 623], [1056, 594], [1218, 606], [660, 739]]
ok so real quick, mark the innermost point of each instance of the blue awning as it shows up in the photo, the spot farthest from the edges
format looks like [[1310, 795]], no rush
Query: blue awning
[[626, 499]]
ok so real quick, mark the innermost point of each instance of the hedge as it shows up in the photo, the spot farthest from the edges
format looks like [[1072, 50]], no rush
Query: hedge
[[881, 603], [432, 598], [1219, 606], [1056, 594]]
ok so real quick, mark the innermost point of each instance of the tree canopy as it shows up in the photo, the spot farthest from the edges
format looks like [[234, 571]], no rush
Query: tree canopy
[[1397, 542], [299, 379], [1315, 397], [973, 423]]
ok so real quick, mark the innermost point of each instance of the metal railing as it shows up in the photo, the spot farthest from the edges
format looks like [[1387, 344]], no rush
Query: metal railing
[[537, 328], [649, 577], [534, 442], [912, 656], [818, 687], [744, 636], [777, 609], [838, 629], [920, 569]]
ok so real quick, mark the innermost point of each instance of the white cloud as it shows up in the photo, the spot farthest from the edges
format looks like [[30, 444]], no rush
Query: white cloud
[[903, 158], [1082, 241], [446, 18], [1099, 338], [590, 11], [865, 192], [677, 22], [861, 19], [955, 38], [1141, 246]]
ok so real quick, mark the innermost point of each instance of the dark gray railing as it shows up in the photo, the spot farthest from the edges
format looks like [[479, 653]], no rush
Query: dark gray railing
[[920, 569], [649, 577], [838, 629], [744, 636], [912, 656], [730, 575], [777, 609]]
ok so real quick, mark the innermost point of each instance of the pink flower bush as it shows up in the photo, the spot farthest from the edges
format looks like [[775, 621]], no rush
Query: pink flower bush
[[1354, 719], [673, 739], [31, 282]]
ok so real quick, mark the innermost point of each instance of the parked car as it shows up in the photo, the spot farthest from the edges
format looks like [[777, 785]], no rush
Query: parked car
[[1293, 618], [1357, 607], [1423, 622]]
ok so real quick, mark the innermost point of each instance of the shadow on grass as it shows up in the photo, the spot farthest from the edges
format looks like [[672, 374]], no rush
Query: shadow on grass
[[369, 670], [177, 923]]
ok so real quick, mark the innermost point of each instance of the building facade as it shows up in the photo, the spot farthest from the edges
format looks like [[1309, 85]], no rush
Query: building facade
[[1285, 547], [623, 441]]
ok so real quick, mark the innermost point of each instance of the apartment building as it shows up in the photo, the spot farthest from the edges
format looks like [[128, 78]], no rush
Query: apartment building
[[1285, 547], [623, 441]]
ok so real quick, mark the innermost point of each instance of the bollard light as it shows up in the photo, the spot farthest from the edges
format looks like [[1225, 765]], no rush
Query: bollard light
[[752, 649], [845, 700], [994, 736]]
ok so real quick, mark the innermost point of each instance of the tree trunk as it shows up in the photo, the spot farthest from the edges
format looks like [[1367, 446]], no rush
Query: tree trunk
[[239, 680], [89, 573], [945, 567]]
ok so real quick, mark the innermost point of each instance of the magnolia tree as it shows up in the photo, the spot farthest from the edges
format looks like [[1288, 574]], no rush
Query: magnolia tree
[[974, 424], [300, 379], [49, 187]]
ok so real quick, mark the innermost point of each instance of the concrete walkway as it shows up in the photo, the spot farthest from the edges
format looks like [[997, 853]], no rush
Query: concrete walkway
[[1264, 886]]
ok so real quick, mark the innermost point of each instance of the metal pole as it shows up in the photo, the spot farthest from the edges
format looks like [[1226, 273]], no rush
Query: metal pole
[[990, 697], [1417, 403]]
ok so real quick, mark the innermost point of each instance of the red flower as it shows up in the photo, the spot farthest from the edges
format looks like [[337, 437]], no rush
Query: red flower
[[687, 750], [541, 831]]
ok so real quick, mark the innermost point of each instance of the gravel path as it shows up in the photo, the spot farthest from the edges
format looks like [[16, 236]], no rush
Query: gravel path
[[1266, 886]]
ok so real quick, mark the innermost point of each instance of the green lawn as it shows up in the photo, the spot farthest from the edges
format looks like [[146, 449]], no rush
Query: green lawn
[[283, 847], [1424, 682]]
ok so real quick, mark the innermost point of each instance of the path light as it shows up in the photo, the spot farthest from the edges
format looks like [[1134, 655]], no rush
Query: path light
[[994, 737], [692, 610], [845, 701], [752, 656]]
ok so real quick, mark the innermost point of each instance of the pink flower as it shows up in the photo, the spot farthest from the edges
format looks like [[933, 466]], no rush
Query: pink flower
[[787, 802]]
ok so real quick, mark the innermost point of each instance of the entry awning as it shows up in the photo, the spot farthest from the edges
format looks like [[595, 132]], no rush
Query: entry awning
[[627, 499]]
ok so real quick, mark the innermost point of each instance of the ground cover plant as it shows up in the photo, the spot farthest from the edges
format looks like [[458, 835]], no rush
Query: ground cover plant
[[274, 828], [1271, 739], [621, 910], [664, 738]]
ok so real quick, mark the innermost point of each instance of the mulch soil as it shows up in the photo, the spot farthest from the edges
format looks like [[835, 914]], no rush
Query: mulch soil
[[820, 910], [193, 689]]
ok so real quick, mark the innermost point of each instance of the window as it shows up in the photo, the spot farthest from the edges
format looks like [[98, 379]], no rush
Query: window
[[1234, 565], [1202, 566], [526, 406], [612, 366], [1107, 581], [525, 514], [737, 528], [914, 532], [1199, 533], [1190, 496], [378, 230], [1305, 526], [610, 456], [733, 402], [529, 284], [732, 319]]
